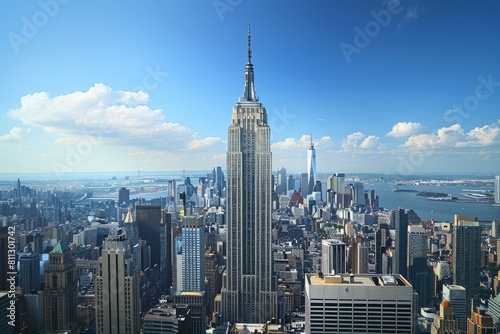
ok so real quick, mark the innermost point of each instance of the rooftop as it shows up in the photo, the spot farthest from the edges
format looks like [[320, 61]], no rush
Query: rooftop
[[360, 280], [190, 293]]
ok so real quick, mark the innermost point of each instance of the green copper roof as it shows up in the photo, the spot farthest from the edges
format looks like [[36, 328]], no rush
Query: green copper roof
[[59, 248]]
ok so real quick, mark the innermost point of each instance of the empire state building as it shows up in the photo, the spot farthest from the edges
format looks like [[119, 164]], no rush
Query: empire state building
[[248, 293]]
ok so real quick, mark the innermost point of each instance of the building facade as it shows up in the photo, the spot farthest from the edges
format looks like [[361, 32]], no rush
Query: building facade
[[248, 294], [336, 182], [123, 196], [333, 256], [29, 272], [281, 184], [166, 251], [456, 295], [193, 254], [445, 321], [401, 225], [163, 320], [417, 246], [480, 323], [117, 288], [467, 256], [60, 293], [35, 310], [359, 304], [148, 218]]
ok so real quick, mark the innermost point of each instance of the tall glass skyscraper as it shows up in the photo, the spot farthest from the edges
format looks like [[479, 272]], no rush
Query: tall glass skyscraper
[[248, 293], [311, 167], [467, 256], [401, 224], [29, 273]]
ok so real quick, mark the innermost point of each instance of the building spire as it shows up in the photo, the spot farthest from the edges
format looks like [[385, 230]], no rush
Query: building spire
[[249, 92], [249, 46], [312, 143]]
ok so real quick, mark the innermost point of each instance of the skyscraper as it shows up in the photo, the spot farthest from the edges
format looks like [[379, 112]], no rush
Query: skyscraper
[[467, 256], [166, 251], [362, 258], [172, 204], [291, 183], [336, 182], [281, 186], [123, 196], [193, 254], [248, 293], [29, 273], [380, 246], [456, 295], [219, 181], [192, 269], [401, 224], [359, 193], [304, 184], [311, 167], [60, 293], [132, 233], [333, 256], [18, 189], [148, 219], [417, 246], [117, 288]]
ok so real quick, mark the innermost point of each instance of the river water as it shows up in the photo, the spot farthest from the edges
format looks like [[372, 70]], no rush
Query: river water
[[427, 209]]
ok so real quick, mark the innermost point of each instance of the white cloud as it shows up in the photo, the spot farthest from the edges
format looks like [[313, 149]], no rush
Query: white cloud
[[484, 136], [422, 141], [369, 142], [455, 136], [351, 141], [358, 140], [203, 143], [105, 116], [450, 136], [304, 142], [404, 129], [292, 152], [16, 134]]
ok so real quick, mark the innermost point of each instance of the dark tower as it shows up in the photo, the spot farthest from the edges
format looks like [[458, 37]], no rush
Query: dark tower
[[148, 219], [401, 224]]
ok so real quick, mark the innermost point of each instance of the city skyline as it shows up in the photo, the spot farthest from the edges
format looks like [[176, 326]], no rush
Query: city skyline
[[377, 84]]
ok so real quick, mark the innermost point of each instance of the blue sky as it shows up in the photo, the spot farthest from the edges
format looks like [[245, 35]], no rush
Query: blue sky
[[383, 86]]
